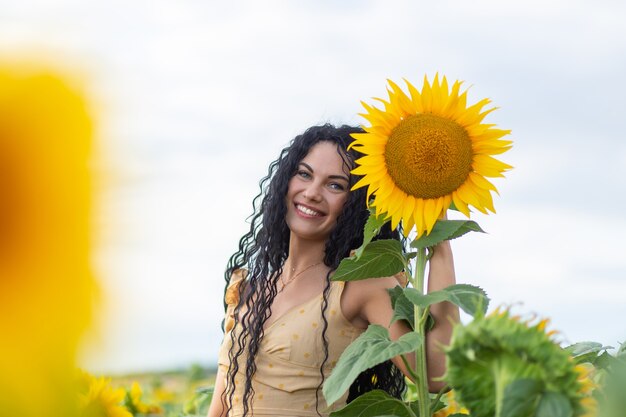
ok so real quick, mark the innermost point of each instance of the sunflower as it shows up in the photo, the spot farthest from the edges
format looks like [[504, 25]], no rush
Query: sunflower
[[427, 150], [133, 402], [102, 400], [490, 353], [452, 406], [46, 282], [586, 372]]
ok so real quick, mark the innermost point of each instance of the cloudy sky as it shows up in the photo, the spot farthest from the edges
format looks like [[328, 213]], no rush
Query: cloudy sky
[[195, 98]]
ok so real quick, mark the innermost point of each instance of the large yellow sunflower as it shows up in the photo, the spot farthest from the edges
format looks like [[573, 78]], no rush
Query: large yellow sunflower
[[426, 150], [46, 281]]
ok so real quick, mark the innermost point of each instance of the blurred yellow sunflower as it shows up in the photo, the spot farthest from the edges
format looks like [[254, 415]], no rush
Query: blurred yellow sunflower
[[452, 406], [587, 386], [134, 403], [102, 400], [426, 150], [46, 282]]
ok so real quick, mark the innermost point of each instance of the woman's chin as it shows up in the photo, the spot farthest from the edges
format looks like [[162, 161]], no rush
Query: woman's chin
[[309, 233]]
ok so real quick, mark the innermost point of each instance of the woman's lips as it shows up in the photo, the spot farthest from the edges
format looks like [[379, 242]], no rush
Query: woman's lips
[[307, 211]]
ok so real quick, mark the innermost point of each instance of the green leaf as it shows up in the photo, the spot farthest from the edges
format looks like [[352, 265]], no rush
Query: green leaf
[[586, 351], [553, 404], [605, 361], [424, 300], [520, 398], [374, 404], [402, 307], [369, 349], [437, 405], [446, 230], [370, 230], [469, 298], [382, 258]]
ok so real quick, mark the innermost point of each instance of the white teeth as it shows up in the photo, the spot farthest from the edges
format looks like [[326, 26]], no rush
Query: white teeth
[[307, 211]]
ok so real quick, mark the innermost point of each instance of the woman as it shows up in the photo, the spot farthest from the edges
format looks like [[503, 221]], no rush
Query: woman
[[287, 323]]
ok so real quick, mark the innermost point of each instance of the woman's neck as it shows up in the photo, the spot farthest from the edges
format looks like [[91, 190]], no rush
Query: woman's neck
[[304, 253]]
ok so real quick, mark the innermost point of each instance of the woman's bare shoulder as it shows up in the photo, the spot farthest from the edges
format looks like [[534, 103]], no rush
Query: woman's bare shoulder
[[358, 294]]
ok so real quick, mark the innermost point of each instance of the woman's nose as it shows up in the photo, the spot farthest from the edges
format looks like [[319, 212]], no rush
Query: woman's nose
[[313, 192]]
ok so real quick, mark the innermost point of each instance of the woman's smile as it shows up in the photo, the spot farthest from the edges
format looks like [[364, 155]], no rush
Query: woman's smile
[[307, 211]]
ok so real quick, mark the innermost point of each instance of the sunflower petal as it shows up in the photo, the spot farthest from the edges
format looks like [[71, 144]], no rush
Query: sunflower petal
[[482, 182], [416, 97], [467, 194], [427, 96], [371, 161], [418, 215], [460, 204], [430, 213]]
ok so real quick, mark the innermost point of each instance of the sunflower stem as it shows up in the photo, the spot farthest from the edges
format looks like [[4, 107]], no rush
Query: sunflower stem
[[412, 372], [438, 397], [420, 354]]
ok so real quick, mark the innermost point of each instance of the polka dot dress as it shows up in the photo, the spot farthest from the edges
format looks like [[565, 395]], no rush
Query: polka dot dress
[[290, 357]]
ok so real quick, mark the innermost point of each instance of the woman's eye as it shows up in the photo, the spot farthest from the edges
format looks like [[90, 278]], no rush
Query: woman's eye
[[304, 174], [336, 186]]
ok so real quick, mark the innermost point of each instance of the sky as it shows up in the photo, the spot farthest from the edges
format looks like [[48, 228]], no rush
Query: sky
[[193, 100]]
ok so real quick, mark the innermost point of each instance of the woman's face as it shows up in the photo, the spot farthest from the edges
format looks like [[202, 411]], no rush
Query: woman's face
[[317, 193]]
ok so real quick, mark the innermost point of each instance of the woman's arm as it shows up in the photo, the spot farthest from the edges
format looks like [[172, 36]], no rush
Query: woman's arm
[[440, 275], [216, 409], [371, 299]]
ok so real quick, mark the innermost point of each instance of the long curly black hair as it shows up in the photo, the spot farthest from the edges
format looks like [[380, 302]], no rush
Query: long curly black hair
[[264, 249]]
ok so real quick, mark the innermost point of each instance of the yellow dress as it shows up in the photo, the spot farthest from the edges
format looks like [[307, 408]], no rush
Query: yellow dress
[[289, 358]]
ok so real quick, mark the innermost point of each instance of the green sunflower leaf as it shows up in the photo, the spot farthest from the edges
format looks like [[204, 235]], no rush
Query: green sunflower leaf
[[446, 230], [375, 403], [520, 398], [382, 258], [370, 230], [586, 351], [469, 298], [425, 300], [553, 404], [402, 307], [371, 348], [605, 361]]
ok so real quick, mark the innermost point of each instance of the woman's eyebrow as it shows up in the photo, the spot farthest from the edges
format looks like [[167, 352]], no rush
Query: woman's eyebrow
[[340, 177], [307, 166]]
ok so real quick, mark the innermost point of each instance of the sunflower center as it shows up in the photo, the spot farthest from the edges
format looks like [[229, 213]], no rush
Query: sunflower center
[[428, 156]]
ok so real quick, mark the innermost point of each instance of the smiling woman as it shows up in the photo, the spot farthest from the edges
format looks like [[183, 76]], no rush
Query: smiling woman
[[286, 322]]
